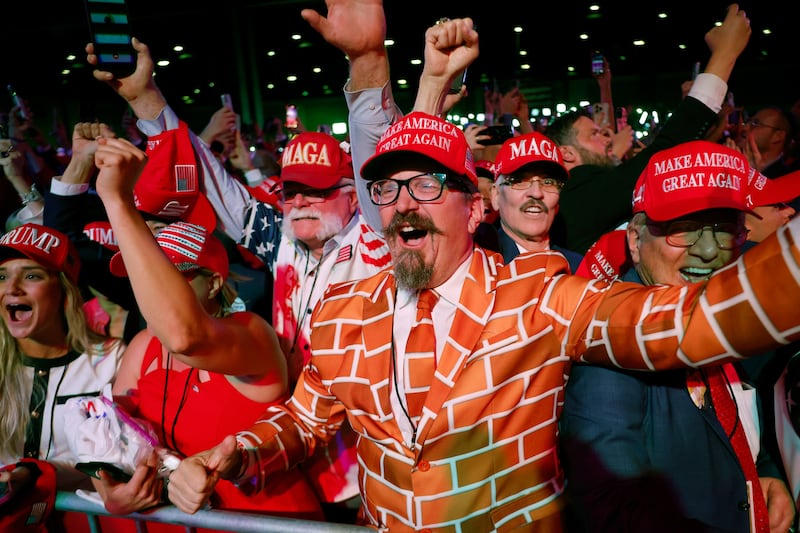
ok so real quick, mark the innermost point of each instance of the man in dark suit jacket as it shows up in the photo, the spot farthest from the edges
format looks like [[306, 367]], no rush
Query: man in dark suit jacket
[[530, 176], [597, 197], [630, 439]]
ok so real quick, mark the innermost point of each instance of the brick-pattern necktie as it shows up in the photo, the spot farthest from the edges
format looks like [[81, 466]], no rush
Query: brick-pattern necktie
[[726, 411], [420, 356]]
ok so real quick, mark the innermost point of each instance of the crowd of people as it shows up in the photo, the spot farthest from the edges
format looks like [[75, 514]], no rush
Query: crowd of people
[[564, 330]]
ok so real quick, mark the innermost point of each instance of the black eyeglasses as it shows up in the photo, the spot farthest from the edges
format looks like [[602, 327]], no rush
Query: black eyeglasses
[[520, 183], [425, 187], [312, 196], [686, 233], [755, 123]]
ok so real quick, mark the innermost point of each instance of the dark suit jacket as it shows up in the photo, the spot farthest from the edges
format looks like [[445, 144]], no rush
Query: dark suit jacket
[[597, 199], [69, 214], [639, 455], [508, 249]]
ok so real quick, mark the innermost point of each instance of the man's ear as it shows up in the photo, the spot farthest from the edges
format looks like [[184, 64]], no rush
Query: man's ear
[[475, 212], [570, 155], [495, 195], [634, 237]]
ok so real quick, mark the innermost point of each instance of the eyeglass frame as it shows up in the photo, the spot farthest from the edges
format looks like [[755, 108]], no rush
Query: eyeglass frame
[[442, 178], [512, 180], [755, 123], [317, 196], [663, 229]]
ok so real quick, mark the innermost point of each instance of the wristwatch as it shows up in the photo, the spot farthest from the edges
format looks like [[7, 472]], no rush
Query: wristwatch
[[32, 196]]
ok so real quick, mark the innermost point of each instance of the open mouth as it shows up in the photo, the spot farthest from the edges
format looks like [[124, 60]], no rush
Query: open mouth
[[693, 274], [410, 234], [533, 208], [18, 312], [411, 228]]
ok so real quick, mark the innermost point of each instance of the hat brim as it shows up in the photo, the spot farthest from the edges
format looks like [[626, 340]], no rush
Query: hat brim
[[315, 180], [117, 265], [380, 166], [552, 168], [664, 212]]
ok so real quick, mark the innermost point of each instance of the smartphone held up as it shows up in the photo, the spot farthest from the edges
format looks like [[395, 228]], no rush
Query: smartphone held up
[[598, 64], [291, 117], [227, 101], [111, 35]]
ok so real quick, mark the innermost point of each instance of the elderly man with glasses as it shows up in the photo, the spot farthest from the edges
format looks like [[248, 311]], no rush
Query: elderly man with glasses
[[632, 438]]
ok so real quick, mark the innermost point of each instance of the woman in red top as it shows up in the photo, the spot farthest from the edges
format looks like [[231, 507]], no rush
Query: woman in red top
[[200, 370]]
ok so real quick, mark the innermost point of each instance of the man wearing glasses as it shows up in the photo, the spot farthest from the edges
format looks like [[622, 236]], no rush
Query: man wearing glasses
[[530, 175], [633, 438], [766, 139]]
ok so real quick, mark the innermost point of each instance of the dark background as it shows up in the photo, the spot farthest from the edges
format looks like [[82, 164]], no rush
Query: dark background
[[226, 51]]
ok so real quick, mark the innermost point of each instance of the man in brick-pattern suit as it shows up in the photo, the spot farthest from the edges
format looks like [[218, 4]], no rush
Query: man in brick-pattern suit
[[482, 457], [483, 454]]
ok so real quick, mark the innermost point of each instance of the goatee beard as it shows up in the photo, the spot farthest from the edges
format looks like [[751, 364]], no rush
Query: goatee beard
[[411, 271]]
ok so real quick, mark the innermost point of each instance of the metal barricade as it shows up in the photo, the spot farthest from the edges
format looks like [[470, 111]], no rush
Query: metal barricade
[[210, 519]]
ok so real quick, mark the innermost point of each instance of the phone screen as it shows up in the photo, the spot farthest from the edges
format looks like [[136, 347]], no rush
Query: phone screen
[[598, 64], [110, 33], [291, 116], [227, 101]]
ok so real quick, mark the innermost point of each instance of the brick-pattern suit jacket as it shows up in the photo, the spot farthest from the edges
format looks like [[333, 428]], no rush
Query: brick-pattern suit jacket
[[488, 457]]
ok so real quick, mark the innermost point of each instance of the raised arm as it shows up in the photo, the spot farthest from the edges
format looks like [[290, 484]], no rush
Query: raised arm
[[172, 310], [358, 29], [226, 194], [450, 47]]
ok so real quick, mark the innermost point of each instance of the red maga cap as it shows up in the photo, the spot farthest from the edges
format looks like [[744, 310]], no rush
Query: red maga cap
[[426, 135], [316, 160], [485, 169], [690, 177], [530, 149], [168, 187]]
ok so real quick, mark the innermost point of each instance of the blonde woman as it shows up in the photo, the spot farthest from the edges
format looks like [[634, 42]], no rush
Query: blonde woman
[[47, 353]]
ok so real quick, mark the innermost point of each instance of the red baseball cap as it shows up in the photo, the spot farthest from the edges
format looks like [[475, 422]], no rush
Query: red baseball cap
[[607, 259], [426, 135], [530, 149], [101, 232], [188, 246], [168, 187], [690, 177], [316, 160], [485, 169], [48, 247], [765, 191]]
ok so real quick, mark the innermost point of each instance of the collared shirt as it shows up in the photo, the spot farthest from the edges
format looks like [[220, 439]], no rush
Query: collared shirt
[[405, 314]]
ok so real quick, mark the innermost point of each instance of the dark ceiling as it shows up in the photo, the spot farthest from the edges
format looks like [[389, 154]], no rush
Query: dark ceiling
[[229, 42]]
